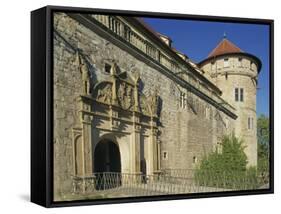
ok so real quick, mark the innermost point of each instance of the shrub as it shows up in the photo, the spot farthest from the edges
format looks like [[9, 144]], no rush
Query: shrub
[[227, 168]]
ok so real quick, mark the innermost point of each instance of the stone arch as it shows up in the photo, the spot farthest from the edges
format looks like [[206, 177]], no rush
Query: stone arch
[[107, 155]]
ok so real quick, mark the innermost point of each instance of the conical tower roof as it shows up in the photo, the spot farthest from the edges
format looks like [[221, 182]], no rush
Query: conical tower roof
[[224, 47]]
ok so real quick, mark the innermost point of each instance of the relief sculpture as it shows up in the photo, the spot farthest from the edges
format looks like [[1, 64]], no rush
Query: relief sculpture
[[154, 102], [125, 95], [104, 93], [83, 68]]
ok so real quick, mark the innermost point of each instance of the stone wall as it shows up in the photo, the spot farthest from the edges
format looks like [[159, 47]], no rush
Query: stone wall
[[185, 134]]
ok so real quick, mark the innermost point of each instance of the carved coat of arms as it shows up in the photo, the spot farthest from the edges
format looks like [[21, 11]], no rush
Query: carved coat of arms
[[125, 94]]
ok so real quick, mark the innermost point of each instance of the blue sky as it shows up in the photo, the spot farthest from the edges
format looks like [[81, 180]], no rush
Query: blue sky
[[197, 38]]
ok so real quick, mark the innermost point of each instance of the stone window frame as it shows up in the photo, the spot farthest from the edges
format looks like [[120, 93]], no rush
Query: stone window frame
[[236, 94], [107, 68], [194, 159], [250, 123], [165, 155], [239, 94], [183, 100]]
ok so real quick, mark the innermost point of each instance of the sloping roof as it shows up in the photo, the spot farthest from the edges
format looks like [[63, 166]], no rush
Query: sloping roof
[[224, 47]]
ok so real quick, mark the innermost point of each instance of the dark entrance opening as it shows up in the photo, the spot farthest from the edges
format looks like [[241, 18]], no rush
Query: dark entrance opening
[[107, 165], [143, 171]]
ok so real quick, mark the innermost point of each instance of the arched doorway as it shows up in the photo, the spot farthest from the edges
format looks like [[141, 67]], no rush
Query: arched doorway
[[107, 165]]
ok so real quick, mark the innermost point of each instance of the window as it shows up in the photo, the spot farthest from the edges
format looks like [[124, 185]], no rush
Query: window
[[250, 123], [107, 68], [239, 94], [240, 62], [225, 62], [183, 100], [165, 155], [194, 159], [236, 94]]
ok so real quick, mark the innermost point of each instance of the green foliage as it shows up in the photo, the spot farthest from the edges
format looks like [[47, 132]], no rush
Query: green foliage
[[263, 129], [263, 147], [230, 158], [227, 168]]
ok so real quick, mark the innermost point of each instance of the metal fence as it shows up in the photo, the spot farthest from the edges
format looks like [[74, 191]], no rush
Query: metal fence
[[114, 184]]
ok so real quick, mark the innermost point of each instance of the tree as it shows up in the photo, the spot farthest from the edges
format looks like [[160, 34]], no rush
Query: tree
[[227, 168], [263, 147], [231, 158]]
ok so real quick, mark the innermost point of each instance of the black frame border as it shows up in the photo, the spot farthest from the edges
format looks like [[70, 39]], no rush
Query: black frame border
[[42, 105]]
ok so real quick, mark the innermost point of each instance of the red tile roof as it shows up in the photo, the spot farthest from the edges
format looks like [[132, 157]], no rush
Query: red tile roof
[[224, 47]]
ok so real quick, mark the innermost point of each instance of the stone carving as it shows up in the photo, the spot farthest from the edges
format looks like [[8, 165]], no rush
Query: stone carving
[[113, 70], [115, 124], [104, 93], [83, 68], [154, 102], [144, 105], [128, 95], [125, 95]]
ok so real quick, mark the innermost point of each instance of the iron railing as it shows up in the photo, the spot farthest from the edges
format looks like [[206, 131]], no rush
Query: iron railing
[[113, 184]]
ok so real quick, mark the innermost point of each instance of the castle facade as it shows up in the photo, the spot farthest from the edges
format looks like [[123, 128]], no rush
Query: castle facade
[[126, 101]]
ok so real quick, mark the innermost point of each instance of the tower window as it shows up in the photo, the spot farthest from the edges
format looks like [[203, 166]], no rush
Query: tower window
[[240, 61], [225, 62], [239, 94], [250, 123], [236, 94]]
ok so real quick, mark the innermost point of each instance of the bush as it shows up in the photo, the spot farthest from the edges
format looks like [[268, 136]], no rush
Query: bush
[[227, 168]]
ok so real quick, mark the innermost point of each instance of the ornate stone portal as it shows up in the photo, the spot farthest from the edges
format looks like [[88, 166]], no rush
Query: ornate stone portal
[[117, 111]]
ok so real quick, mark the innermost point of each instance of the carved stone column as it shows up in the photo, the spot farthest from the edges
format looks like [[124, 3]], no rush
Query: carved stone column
[[158, 155], [152, 148], [86, 125], [135, 145]]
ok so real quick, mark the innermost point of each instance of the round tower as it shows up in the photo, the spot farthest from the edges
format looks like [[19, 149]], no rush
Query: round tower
[[235, 72]]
